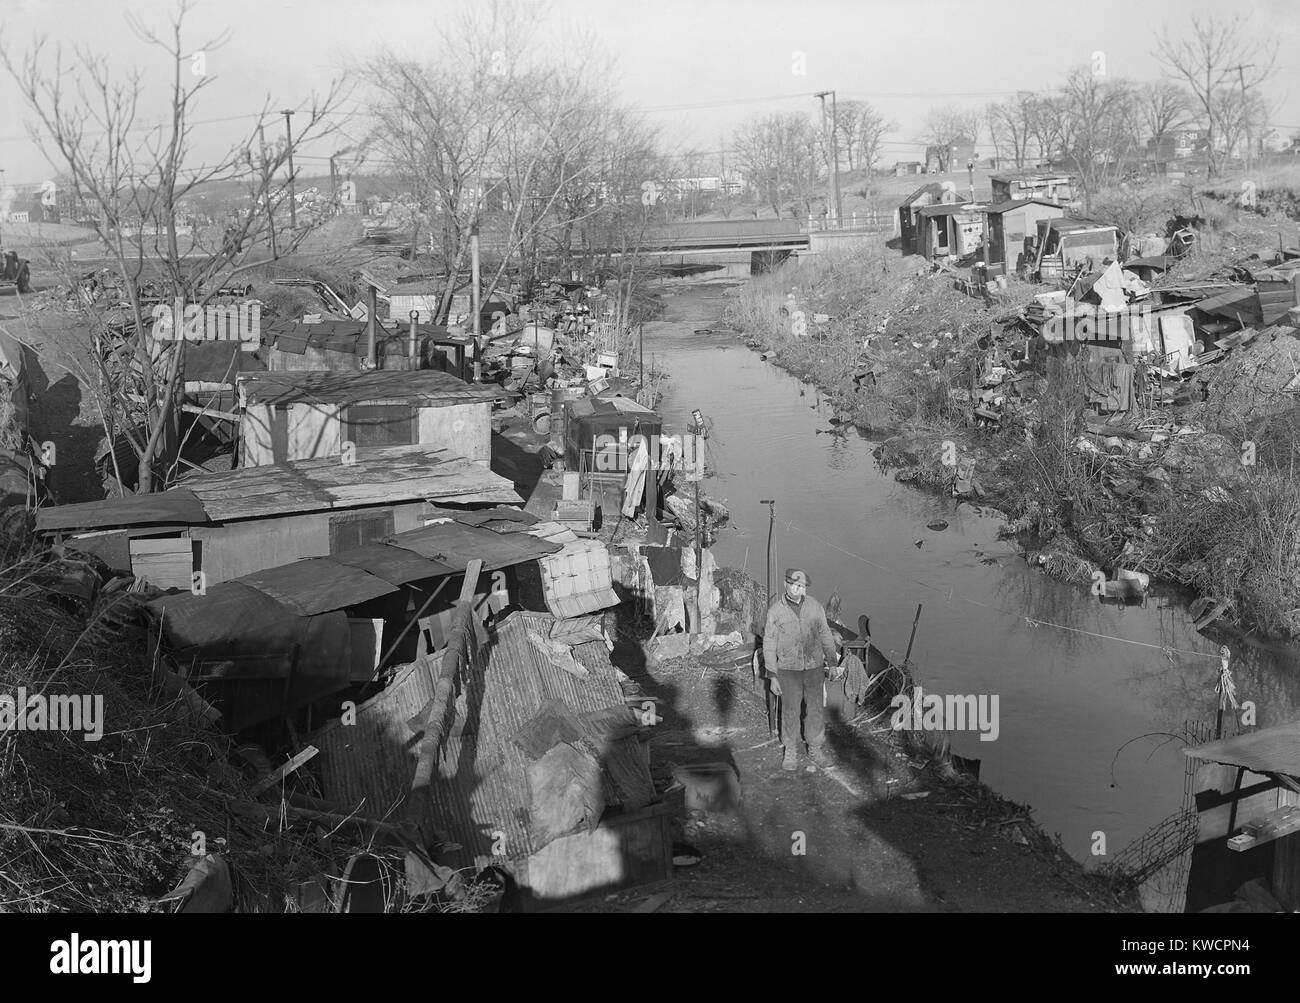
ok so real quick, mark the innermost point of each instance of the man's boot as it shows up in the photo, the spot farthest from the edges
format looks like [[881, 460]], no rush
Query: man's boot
[[819, 756], [790, 761]]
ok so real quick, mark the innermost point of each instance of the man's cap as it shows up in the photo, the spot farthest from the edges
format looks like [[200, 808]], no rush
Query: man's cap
[[796, 576]]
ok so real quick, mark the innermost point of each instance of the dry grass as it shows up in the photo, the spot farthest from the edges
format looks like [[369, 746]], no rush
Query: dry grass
[[110, 825]]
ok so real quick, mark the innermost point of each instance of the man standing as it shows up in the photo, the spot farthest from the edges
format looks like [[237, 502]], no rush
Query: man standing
[[797, 644]]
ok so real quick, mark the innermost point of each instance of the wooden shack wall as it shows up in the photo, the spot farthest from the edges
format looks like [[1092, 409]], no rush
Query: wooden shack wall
[[309, 430], [312, 359], [241, 548], [464, 429]]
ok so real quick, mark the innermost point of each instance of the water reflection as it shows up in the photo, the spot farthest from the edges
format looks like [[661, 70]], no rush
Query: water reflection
[[1073, 697]]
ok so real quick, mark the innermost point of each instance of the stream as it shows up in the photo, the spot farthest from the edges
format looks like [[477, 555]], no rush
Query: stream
[[1092, 701]]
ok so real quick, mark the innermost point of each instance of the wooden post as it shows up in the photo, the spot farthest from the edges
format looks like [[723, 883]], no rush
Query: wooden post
[[915, 620], [372, 350], [457, 637], [475, 304]]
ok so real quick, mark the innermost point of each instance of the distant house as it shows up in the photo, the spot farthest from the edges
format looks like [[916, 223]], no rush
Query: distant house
[[305, 415], [1010, 223], [906, 168], [1177, 145], [226, 525], [949, 157], [1048, 185]]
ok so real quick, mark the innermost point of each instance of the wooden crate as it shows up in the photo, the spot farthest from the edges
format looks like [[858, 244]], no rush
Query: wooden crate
[[575, 515]]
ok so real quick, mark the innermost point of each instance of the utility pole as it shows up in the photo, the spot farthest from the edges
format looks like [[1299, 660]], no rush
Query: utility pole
[[288, 133], [833, 162]]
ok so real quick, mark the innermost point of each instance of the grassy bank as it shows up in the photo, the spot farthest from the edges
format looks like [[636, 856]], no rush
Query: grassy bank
[[902, 353]]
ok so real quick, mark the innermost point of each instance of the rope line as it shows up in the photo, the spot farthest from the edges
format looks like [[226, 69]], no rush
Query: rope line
[[951, 594]]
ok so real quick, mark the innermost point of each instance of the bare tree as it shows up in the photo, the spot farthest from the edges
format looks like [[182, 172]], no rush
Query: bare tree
[[780, 153], [1241, 121], [1098, 121], [946, 124], [132, 179], [1217, 52], [861, 129], [1011, 124], [1164, 108]]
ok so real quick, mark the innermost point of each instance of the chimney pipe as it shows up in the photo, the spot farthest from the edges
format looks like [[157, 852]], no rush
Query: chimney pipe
[[414, 357], [371, 349]]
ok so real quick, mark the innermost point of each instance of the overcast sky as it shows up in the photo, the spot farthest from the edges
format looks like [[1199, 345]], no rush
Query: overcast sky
[[903, 55]]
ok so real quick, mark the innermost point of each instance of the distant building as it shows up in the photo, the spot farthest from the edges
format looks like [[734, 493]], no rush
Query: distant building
[[940, 159], [1177, 145], [906, 168], [1054, 186]]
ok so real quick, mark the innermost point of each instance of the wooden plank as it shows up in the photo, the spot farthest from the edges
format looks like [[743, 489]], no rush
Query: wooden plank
[[166, 564], [434, 723], [282, 771]]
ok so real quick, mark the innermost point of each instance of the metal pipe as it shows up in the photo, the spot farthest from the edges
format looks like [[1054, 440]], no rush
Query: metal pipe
[[415, 315], [476, 305]]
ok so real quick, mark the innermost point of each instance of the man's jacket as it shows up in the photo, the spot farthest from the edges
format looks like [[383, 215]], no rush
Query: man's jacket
[[794, 641]]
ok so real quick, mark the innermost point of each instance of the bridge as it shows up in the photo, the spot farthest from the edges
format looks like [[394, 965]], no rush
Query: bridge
[[729, 236]]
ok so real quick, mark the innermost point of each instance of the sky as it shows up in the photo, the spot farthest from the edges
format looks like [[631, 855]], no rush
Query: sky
[[697, 67]]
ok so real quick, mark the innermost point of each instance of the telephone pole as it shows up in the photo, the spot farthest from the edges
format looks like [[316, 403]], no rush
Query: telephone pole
[[293, 203], [833, 162]]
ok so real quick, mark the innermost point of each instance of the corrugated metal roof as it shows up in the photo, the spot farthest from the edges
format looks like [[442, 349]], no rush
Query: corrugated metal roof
[[428, 387], [950, 208], [586, 407], [933, 189], [378, 477], [1031, 175], [367, 766], [479, 795], [317, 584], [1002, 207], [456, 545], [394, 565], [1240, 301], [1270, 750]]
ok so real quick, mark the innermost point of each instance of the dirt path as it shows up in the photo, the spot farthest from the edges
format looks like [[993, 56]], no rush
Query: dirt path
[[849, 840]]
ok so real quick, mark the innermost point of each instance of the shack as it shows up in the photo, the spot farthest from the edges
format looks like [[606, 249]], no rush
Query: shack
[[1066, 246], [542, 769], [218, 527], [269, 644], [290, 416], [344, 344], [908, 209], [599, 434], [950, 228], [1009, 223], [1247, 791], [1053, 186]]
